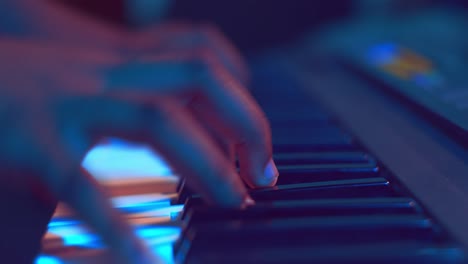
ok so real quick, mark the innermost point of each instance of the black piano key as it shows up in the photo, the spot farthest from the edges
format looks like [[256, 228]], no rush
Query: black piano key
[[370, 167], [285, 113], [301, 208], [306, 139], [296, 167], [297, 174], [322, 158], [320, 166], [303, 142], [302, 167], [181, 185], [290, 138], [355, 188], [303, 175], [298, 143], [288, 209], [311, 231], [310, 168], [310, 162], [183, 192], [283, 146], [405, 252]]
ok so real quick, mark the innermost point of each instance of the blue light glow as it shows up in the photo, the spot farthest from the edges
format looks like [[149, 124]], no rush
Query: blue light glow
[[428, 80], [118, 159], [167, 211], [123, 159], [383, 54], [78, 236], [153, 232], [60, 223], [84, 240], [145, 206], [165, 252], [75, 235], [43, 259]]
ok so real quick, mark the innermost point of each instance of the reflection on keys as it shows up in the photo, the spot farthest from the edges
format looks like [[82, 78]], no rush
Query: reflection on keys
[[142, 186], [70, 240]]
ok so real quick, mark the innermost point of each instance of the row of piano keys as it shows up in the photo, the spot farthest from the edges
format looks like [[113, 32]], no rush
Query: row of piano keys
[[144, 199], [333, 203], [70, 241]]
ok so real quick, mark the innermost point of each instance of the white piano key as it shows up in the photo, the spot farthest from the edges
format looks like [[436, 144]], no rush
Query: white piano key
[[168, 211], [126, 168], [79, 236], [132, 185], [143, 201], [44, 259], [151, 225]]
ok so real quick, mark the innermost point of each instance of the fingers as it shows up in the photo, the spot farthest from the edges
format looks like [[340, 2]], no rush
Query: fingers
[[227, 50], [224, 144], [180, 37], [78, 31], [60, 171], [232, 112], [222, 102], [173, 132], [196, 155]]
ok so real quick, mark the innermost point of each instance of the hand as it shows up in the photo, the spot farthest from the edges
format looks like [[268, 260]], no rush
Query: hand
[[41, 22], [65, 98]]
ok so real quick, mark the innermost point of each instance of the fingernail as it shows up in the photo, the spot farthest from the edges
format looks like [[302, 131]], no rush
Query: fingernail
[[248, 201], [271, 172]]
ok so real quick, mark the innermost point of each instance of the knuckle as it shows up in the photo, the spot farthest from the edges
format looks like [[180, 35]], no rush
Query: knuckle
[[165, 114], [205, 66], [204, 55]]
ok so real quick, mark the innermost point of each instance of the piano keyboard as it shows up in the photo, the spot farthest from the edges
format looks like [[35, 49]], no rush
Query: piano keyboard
[[334, 203]]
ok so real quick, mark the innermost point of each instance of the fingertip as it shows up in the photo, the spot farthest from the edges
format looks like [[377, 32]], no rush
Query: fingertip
[[227, 191], [270, 173], [266, 176], [248, 202]]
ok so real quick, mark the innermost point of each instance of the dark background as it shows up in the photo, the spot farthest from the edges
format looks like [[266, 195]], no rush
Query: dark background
[[253, 24]]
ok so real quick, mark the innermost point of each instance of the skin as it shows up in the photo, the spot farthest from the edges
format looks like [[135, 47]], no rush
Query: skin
[[179, 88]]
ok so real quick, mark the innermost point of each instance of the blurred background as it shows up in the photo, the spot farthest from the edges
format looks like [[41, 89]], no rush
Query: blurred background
[[255, 25]]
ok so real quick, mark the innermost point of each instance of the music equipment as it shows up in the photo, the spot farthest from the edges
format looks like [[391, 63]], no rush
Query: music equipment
[[364, 197]]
